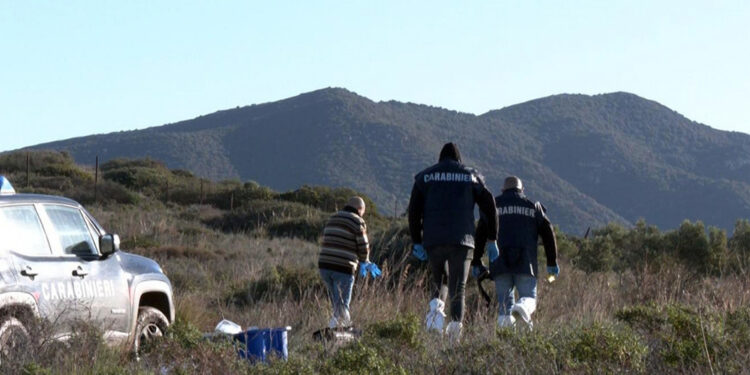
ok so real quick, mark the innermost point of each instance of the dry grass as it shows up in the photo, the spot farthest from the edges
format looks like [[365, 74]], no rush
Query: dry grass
[[577, 329]]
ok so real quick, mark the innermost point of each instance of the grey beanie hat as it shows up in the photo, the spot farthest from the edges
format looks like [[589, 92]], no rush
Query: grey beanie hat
[[513, 182]]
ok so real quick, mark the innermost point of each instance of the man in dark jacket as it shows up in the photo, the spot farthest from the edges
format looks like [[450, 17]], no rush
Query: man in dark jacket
[[521, 223], [441, 220]]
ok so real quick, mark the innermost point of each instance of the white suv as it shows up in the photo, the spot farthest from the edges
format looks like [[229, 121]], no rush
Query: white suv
[[58, 263]]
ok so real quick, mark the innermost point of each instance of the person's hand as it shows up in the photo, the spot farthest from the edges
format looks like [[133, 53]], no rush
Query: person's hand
[[374, 270], [553, 270], [478, 270], [492, 251], [363, 269], [371, 268], [418, 252]]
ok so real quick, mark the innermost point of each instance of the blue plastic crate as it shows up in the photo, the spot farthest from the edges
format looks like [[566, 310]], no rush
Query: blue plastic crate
[[257, 344]]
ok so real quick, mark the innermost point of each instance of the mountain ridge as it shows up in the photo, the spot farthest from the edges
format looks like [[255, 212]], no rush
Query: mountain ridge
[[591, 159]]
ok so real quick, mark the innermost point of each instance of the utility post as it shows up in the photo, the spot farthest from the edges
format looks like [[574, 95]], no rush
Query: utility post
[[96, 179], [28, 167], [201, 196]]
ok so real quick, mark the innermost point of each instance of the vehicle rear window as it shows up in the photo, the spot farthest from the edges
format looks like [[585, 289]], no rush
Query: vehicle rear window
[[21, 231], [70, 230]]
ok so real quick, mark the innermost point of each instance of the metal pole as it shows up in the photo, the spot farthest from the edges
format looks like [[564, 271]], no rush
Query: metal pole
[[96, 179], [28, 167]]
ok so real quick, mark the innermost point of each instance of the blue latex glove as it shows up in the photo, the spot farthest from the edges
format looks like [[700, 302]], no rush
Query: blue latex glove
[[367, 267], [418, 252], [492, 251], [478, 270], [374, 270], [553, 270]]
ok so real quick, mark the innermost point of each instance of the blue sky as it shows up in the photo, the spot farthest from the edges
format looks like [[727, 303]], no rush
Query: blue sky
[[76, 68]]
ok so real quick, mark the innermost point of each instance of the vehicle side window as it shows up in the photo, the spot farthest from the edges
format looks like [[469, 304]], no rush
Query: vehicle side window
[[93, 231], [21, 231], [71, 230]]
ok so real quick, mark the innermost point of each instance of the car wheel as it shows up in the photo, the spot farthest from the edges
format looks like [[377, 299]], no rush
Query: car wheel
[[13, 338], [151, 325]]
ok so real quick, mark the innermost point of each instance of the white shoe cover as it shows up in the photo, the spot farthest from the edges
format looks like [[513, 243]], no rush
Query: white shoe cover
[[436, 317], [504, 321], [523, 309], [344, 321], [453, 331]]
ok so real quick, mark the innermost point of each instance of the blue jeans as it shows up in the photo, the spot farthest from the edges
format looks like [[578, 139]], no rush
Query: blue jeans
[[339, 286], [504, 283]]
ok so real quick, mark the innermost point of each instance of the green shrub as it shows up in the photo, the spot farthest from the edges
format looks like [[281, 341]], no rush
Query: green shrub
[[70, 171], [567, 246], [260, 214], [402, 331], [737, 329], [55, 173], [575, 348], [680, 336], [185, 334], [739, 246], [144, 175], [692, 246], [40, 162], [718, 257], [293, 366], [233, 194], [35, 369], [604, 348], [646, 318], [109, 192], [535, 346], [596, 255], [327, 199], [644, 244], [615, 248], [185, 351], [357, 358], [303, 228], [278, 283]]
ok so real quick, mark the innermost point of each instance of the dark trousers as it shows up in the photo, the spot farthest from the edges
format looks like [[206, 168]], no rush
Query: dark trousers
[[450, 267]]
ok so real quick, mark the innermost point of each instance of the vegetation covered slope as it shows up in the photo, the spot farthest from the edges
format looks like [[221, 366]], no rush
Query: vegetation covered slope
[[653, 301], [589, 159]]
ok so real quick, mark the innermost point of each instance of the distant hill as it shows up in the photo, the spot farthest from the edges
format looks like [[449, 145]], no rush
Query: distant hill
[[589, 159]]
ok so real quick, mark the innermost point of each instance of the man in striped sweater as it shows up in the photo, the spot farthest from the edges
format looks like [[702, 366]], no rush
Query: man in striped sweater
[[344, 246]]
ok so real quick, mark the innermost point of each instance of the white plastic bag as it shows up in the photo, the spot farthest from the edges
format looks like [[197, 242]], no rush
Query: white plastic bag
[[227, 327]]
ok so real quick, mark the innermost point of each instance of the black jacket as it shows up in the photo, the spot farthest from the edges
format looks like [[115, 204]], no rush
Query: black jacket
[[521, 223], [442, 205]]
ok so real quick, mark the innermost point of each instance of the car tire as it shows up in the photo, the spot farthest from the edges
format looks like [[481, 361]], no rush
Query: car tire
[[151, 325], [14, 337]]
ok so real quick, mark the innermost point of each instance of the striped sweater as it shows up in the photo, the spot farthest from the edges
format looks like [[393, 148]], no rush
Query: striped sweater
[[344, 242]]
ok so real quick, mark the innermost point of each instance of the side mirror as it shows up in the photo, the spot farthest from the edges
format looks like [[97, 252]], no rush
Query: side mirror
[[109, 243]]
